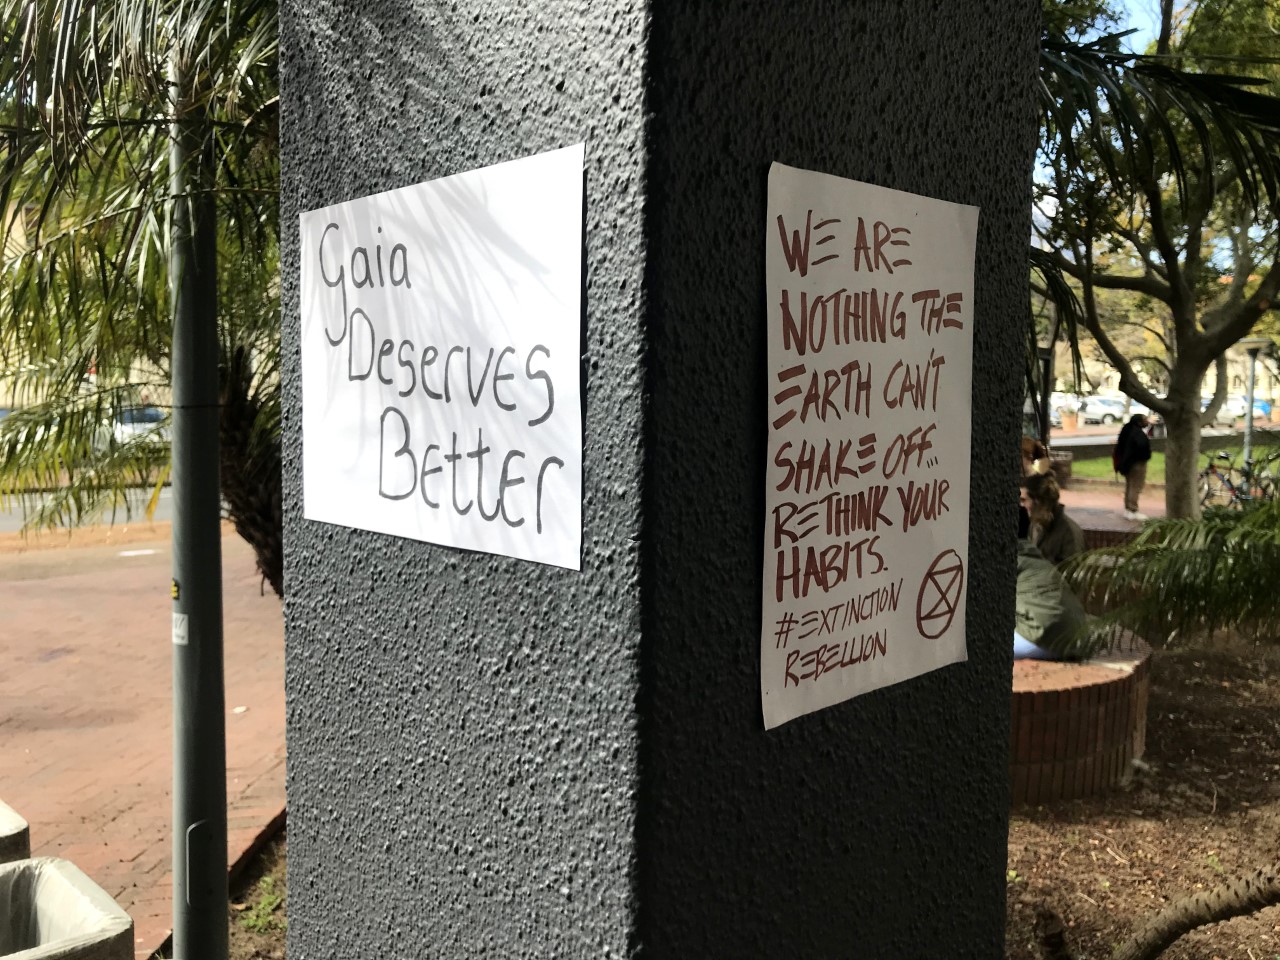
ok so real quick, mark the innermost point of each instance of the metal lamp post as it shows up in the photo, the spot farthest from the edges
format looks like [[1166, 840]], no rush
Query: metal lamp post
[[1253, 346], [199, 714]]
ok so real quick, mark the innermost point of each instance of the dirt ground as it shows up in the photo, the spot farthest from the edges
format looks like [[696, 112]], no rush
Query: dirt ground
[[1206, 811], [259, 911]]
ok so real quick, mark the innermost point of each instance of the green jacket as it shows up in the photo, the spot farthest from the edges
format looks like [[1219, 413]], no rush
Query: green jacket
[[1046, 611], [1061, 538]]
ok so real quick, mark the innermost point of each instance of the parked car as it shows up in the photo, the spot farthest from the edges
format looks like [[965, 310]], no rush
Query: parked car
[[1103, 410], [1224, 416], [131, 422], [1237, 406]]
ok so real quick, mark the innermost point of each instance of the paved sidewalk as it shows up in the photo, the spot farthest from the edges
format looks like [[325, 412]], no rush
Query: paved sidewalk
[[85, 713], [1100, 506]]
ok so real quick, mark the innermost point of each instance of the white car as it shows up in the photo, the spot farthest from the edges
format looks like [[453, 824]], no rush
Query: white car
[[1102, 410], [131, 422], [1238, 405]]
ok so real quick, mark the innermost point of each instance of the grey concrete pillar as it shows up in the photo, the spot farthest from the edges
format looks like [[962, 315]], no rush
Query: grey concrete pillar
[[489, 757]]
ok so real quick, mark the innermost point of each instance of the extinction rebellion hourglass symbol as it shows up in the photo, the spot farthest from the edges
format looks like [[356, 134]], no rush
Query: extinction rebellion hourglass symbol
[[940, 594]]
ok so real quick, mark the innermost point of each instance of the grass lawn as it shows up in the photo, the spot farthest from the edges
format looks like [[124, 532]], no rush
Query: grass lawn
[[1099, 468], [1266, 443]]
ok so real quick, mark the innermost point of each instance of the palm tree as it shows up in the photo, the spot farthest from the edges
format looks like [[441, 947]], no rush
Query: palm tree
[[140, 150], [87, 210]]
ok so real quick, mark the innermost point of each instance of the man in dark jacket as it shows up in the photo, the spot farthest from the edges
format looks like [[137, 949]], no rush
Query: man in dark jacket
[[1133, 450]]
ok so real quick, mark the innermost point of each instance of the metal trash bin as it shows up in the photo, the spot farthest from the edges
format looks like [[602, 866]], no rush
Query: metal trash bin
[[15, 835], [1060, 461], [49, 910]]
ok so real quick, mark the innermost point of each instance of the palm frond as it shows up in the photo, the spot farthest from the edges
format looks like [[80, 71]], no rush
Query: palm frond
[[1183, 575], [1137, 111], [86, 216]]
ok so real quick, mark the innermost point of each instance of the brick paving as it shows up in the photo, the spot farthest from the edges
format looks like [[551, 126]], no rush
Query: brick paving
[[85, 714], [85, 706], [1099, 509]]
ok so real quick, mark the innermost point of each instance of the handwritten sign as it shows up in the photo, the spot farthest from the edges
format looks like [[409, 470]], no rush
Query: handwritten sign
[[441, 380], [870, 313]]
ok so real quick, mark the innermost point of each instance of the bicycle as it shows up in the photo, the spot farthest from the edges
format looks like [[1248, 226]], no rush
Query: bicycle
[[1234, 486]]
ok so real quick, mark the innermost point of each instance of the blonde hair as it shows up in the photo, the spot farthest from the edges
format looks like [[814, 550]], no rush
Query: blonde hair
[[1035, 457]]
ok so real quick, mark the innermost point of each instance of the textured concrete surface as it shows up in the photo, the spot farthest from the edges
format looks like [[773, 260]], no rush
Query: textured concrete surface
[[875, 828], [494, 757], [86, 714], [462, 726]]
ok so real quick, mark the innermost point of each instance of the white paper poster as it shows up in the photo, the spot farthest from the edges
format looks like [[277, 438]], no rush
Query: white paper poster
[[441, 385], [870, 314]]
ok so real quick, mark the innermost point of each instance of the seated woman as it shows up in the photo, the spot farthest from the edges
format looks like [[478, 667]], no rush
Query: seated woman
[[1052, 531], [1049, 623]]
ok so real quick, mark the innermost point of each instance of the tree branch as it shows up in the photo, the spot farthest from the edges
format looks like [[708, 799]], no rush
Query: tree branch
[[1179, 297], [1145, 253], [1129, 381], [1150, 285], [1210, 413], [1140, 325], [1158, 361], [1166, 27], [1250, 312], [1197, 211]]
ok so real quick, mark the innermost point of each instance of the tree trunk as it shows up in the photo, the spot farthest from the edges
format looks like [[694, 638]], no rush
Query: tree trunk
[[1182, 457], [251, 468], [1249, 894]]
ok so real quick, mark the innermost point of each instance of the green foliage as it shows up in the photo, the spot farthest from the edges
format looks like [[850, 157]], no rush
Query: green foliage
[[87, 205], [261, 915], [1158, 198], [1078, 19], [1133, 117], [1187, 575], [1100, 468], [1117, 129]]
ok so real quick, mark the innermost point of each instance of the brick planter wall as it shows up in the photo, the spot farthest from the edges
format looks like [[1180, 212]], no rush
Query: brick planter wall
[[1076, 726], [1096, 539]]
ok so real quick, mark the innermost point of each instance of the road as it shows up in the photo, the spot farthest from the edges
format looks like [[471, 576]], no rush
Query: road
[[13, 512]]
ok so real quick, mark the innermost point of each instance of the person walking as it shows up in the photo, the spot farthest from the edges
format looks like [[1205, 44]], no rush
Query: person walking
[[1133, 450]]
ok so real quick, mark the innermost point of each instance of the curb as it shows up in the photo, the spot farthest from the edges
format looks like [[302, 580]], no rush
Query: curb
[[237, 868], [1103, 482]]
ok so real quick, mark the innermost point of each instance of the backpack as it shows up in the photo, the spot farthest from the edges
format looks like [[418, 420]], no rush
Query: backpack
[[1115, 456]]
